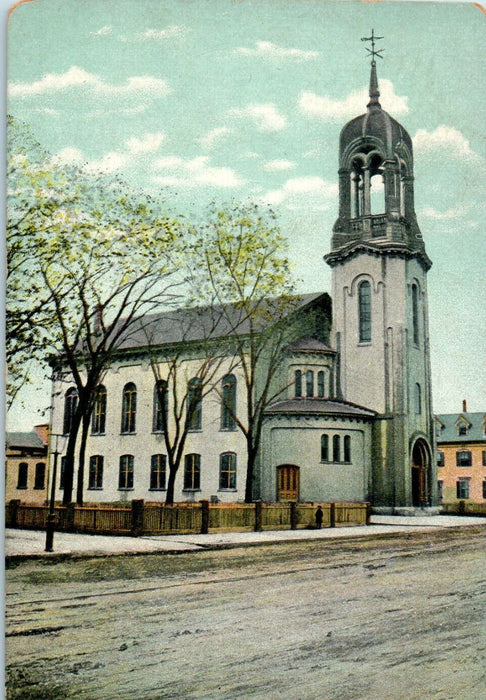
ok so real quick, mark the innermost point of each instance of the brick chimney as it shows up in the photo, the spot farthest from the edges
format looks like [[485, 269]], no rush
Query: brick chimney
[[464, 406]]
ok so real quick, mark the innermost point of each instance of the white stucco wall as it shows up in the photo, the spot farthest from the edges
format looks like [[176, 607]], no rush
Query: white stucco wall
[[296, 440]]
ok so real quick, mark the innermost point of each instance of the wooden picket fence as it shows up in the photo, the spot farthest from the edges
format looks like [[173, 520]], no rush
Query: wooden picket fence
[[139, 517]]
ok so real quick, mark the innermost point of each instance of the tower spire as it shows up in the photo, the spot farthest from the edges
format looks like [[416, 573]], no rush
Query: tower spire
[[374, 91]]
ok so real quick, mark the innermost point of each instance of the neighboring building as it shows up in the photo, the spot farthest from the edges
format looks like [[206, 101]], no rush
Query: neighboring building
[[354, 418], [461, 456], [26, 465]]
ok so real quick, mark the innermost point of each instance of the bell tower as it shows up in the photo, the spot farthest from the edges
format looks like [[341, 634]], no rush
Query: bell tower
[[380, 312]]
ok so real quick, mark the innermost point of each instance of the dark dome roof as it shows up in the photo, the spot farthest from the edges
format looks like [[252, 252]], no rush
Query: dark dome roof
[[377, 124]]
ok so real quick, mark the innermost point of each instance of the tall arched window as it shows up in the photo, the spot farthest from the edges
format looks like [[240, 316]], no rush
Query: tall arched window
[[415, 314], [95, 477], [99, 412], [228, 403], [347, 448], [418, 398], [309, 383], [320, 385], [125, 475], [227, 470], [194, 404], [22, 475], [364, 309], [161, 406], [158, 468], [129, 408], [40, 476], [336, 448], [324, 448], [298, 383], [192, 472], [70, 406]]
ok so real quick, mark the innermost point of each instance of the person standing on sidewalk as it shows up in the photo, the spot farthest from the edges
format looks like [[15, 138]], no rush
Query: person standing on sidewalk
[[319, 517]]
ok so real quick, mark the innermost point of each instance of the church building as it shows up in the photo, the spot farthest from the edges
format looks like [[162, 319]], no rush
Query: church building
[[353, 420]]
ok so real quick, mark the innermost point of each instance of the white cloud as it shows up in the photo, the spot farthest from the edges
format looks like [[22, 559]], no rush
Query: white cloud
[[167, 33], [69, 155], [266, 117], [104, 31], [355, 103], [303, 192], [267, 50], [208, 141], [149, 143], [447, 215], [444, 138], [110, 163], [194, 172], [274, 166], [77, 77]]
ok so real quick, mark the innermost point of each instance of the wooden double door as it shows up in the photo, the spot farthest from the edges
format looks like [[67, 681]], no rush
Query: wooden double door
[[288, 482]]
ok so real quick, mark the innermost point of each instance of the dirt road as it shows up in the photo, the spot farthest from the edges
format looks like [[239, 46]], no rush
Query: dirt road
[[396, 617]]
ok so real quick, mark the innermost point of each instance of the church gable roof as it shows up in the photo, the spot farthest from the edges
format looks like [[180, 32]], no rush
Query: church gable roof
[[193, 324]]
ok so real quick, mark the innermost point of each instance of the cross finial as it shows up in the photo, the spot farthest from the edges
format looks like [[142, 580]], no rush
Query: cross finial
[[372, 52]]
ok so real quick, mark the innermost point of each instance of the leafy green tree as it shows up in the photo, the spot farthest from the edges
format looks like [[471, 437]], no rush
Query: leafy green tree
[[87, 257], [241, 265]]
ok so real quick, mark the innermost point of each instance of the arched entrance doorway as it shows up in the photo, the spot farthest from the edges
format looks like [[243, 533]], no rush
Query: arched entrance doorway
[[420, 468], [287, 482]]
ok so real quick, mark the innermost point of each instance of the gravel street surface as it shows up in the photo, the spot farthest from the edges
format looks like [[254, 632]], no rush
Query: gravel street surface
[[391, 616]]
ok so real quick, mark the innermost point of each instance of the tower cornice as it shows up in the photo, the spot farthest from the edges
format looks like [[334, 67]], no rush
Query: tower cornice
[[392, 250]]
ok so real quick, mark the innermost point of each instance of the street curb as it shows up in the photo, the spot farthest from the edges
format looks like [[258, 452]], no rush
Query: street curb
[[12, 559]]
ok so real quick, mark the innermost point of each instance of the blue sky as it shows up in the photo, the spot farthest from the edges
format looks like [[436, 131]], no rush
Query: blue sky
[[237, 100]]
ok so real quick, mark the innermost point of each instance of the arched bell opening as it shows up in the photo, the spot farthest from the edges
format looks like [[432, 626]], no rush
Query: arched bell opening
[[377, 186]]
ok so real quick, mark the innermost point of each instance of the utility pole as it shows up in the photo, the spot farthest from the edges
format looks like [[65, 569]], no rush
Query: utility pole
[[51, 517]]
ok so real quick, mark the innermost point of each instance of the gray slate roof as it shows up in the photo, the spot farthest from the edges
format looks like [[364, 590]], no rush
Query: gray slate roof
[[24, 441], [192, 324], [320, 406], [449, 432]]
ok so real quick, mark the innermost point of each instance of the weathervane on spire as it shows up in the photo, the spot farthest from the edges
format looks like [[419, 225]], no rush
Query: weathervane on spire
[[372, 51]]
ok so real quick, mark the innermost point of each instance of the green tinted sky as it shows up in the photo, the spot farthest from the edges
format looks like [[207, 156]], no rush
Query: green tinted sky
[[228, 99]]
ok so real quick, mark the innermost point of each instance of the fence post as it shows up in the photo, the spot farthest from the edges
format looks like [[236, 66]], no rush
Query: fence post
[[462, 507], [204, 517], [69, 519], [12, 511], [293, 516], [137, 517], [368, 513], [258, 516], [332, 515]]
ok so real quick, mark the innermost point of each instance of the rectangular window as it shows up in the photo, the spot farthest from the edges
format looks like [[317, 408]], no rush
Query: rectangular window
[[157, 472], [125, 477], [192, 472], [99, 412], [40, 476], [227, 471], [484, 488], [440, 458], [22, 475], [364, 311], [95, 477], [484, 458], [462, 488], [463, 458], [194, 405]]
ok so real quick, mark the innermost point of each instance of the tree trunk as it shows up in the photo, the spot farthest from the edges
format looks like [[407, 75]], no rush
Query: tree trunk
[[169, 497], [81, 460], [69, 464]]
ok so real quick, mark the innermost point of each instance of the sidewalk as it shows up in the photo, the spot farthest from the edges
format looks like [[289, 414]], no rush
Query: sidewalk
[[22, 544]]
